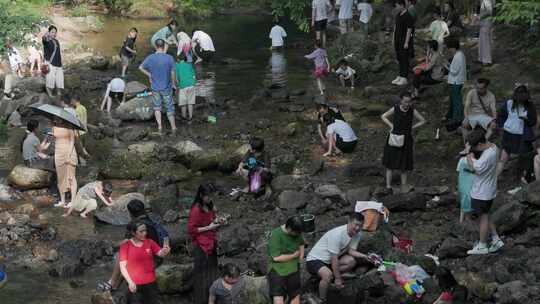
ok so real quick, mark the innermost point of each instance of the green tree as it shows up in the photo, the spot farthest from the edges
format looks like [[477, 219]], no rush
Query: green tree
[[525, 12], [297, 10], [17, 19]]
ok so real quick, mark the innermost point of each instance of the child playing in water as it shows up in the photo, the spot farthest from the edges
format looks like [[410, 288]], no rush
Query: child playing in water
[[465, 181], [255, 168], [345, 73], [322, 65]]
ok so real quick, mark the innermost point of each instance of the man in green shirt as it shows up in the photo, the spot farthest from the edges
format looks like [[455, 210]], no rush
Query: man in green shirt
[[285, 253]]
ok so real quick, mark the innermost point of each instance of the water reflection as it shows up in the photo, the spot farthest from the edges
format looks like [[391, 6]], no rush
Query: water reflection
[[278, 69], [206, 86]]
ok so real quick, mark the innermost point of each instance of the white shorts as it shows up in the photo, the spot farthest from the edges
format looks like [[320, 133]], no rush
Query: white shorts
[[186, 96], [55, 77], [482, 120]]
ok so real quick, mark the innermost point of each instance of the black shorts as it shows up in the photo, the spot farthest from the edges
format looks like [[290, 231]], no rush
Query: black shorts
[[314, 266], [480, 206], [145, 294], [203, 54], [320, 25], [116, 95], [287, 286], [345, 146]]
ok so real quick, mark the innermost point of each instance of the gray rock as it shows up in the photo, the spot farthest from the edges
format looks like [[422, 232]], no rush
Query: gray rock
[[144, 148], [513, 292], [132, 133], [509, 217], [293, 199], [112, 216], [138, 109], [318, 206], [405, 202], [330, 191], [453, 248], [533, 193], [174, 278], [98, 63], [102, 298], [185, 147], [134, 87], [8, 194], [289, 182], [27, 178], [256, 290], [358, 194]]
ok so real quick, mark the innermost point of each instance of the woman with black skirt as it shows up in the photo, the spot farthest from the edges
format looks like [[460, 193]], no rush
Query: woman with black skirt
[[202, 226], [518, 118], [398, 152]]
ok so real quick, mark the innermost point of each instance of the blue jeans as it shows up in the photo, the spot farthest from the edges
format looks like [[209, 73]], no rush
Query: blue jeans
[[160, 98]]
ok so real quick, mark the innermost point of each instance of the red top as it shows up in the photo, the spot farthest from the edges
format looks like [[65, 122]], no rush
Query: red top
[[197, 219], [447, 296], [140, 262]]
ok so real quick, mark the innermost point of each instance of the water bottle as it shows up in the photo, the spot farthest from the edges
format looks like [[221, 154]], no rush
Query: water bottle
[[145, 94]]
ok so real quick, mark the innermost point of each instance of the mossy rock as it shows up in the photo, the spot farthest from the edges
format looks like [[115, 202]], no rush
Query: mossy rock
[[174, 171], [124, 166], [374, 109]]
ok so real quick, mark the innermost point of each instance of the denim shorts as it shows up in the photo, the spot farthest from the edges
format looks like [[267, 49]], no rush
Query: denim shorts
[[163, 98]]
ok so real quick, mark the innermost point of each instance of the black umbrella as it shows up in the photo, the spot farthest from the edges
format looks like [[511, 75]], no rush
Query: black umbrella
[[54, 112]]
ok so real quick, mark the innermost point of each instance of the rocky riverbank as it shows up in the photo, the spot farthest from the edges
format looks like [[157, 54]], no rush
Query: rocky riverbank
[[165, 173]]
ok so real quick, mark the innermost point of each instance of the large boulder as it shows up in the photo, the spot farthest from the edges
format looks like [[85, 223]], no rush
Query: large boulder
[[134, 87], [358, 194], [132, 133], [144, 148], [513, 292], [98, 62], [453, 248], [509, 217], [27, 178], [185, 147], [117, 214], [123, 166], [174, 278], [8, 194], [76, 255], [138, 109], [292, 200], [533, 193], [330, 191], [405, 202]]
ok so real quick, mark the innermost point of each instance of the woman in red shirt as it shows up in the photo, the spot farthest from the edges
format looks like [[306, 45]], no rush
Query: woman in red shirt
[[202, 226], [137, 264]]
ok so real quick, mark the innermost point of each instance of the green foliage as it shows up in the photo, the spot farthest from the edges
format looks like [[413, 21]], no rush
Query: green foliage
[[525, 12], [79, 10], [118, 7], [297, 10], [17, 20]]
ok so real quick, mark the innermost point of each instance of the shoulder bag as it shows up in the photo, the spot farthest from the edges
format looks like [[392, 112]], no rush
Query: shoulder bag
[[395, 140]]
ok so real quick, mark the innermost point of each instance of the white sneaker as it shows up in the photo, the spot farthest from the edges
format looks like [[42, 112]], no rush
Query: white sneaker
[[396, 80], [402, 81], [478, 249], [495, 245]]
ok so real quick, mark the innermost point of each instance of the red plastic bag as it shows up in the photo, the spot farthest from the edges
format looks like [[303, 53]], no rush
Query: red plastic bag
[[403, 244]]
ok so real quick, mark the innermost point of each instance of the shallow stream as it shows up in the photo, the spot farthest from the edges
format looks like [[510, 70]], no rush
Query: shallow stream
[[243, 39]]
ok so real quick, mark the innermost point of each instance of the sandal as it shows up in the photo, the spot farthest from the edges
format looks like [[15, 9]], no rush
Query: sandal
[[104, 286]]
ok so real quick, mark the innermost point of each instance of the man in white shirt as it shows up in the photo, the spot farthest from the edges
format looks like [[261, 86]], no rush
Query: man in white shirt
[[277, 33], [345, 16], [202, 46], [365, 11], [457, 76], [484, 189], [319, 19], [335, 253]]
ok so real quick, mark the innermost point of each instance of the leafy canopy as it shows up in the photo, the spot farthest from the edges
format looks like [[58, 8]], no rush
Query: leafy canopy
[[17, 19]]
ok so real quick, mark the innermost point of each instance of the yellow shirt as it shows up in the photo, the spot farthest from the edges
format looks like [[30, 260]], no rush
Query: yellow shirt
[[80, 110]]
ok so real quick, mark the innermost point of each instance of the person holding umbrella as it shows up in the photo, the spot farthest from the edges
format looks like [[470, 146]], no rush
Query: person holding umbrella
[[65, 160], [65, 154]]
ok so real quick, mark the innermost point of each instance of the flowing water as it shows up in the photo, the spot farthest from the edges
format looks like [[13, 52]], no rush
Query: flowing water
[[240, 40]]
